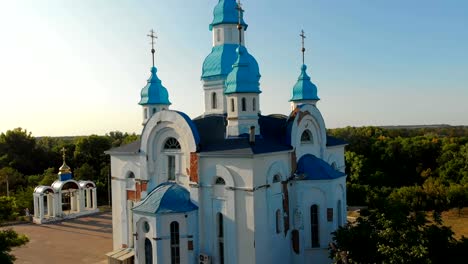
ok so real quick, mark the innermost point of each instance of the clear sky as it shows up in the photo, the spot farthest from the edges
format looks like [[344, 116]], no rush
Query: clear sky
[[77, 67]]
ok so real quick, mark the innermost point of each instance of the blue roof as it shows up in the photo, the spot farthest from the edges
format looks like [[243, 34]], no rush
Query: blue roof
[[314, 168], [225, 12], [154, 92], [189, 121], [167, 198], [304, 88], [219, 62], [244, 77]]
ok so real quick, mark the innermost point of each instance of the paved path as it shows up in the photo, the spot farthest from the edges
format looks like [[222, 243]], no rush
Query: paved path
[[82, 240]]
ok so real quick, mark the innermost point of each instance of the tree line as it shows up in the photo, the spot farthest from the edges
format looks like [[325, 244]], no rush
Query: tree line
[[27, 161], [406, 178]]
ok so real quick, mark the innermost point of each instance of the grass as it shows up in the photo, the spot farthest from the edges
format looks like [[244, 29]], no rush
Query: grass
[[458, 223]]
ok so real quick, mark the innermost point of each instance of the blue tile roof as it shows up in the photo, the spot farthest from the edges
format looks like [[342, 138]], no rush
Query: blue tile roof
[[304, 88], [166, 198], [225, 12], [313, 168], [219, 62], [154, 92]]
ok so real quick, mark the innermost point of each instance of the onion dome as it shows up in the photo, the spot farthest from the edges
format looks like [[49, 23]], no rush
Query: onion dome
[[225, 12], [154, 92], [64, 169], [304, 88], [244, 77], [221, 59]]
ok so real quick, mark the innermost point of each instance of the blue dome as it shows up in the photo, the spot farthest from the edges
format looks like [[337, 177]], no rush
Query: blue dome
[[244, 77], [304, 88], [165, 199], [154, 92], [225, 12], [313, 168], [221, 59]]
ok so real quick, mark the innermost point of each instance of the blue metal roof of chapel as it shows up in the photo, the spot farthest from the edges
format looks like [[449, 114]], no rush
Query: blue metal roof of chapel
[[313, 168], [154, 92]]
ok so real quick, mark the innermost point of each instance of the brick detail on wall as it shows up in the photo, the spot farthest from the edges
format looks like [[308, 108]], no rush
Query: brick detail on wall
[[193, 172]]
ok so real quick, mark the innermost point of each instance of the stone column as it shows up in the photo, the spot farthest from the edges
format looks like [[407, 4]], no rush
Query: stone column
[[36, 206], [94, 201], [49, 205], [72, 201], [58, 203], [88, 198], [41, 207], [81, 200]]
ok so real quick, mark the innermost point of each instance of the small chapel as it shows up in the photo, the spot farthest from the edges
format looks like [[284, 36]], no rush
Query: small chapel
[[231, 185], [65, 198]]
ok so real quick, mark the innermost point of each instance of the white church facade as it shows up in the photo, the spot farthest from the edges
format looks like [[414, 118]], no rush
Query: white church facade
[[232, 185]]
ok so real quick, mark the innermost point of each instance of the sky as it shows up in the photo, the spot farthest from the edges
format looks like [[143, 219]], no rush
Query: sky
[[77, 67]]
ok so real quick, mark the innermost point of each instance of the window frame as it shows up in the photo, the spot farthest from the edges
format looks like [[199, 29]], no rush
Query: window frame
[[314, 226], [309, 139], [175, 242]]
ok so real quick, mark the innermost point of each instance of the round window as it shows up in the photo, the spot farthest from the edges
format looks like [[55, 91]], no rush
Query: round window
[[146, 227]]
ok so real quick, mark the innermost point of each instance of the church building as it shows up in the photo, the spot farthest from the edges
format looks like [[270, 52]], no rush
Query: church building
[[232, 185]]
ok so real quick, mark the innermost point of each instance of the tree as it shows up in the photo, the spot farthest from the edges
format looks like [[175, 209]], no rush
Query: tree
[[10, 177], [9, 239], [457, 195], [8, 209], [17, 150], [395, 234], [48, 177], [85, 172]]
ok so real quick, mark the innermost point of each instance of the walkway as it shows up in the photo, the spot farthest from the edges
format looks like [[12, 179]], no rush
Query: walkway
[[82, 240]]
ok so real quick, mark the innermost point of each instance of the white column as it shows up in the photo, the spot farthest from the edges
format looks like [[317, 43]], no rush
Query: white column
[[58, 203], [49, 205], [94, 201], [36, 206], [41, 207], [88, 198], [81, 200], [73, 201]]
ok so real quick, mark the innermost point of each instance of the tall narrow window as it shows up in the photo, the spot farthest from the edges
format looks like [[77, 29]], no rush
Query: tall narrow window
[[154, 110], [220, 238], [145, 113], [214, 102], [276, 178], [232, 105], [244, 104], [314, 225], [338, 213], [175, 243], [218, 35], [254, 104], [278, 221], [148, 252], [171, 168]]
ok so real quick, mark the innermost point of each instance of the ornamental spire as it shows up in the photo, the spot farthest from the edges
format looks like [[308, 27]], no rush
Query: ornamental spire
[[64, 169], [153, 36], [302, 35], [239, 21]]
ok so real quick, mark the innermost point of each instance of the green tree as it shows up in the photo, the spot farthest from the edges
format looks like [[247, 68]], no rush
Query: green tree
[[457, 195], [85, 172], [18, 150], [10, 178], [8, 208], [9, 239], [48, 177]]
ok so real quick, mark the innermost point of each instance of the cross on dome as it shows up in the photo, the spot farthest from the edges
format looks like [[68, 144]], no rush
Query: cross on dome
[[153, 36]]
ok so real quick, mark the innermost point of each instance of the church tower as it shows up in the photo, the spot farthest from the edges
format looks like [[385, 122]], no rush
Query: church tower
[[304, 91], [154, 96], [242, 91], [218, 63]]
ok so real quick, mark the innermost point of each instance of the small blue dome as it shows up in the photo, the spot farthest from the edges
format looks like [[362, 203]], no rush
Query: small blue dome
[[225, 12], [304, 88], [221, 59], [154, 92], [244, 77], [313, 168], [167, 198]]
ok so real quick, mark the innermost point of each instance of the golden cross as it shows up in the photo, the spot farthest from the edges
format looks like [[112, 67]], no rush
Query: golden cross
[[63, 153]]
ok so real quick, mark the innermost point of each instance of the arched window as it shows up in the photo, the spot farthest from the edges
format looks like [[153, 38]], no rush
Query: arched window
[[278, 221], [220, 181], [220, 232], [214, 101], [233, 108], [338, 213], [306, 137], [254, 104], [244, 104], [171, 143], [130, 184], [148, 251], [276, 178], [333, 165], [314, 226], [175, 243]]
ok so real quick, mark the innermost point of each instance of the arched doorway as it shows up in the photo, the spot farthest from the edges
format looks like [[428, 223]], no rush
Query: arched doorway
[[148, 251]]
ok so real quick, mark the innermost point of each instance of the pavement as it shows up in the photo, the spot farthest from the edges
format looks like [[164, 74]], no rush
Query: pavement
[[82, 240]]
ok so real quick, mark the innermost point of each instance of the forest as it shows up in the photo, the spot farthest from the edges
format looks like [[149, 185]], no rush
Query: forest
[[405, 177]]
